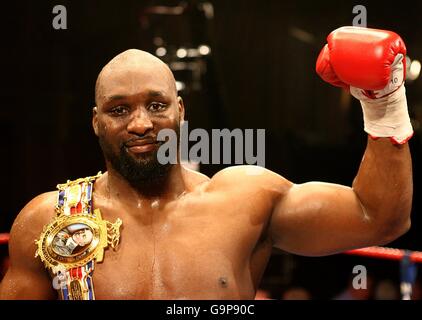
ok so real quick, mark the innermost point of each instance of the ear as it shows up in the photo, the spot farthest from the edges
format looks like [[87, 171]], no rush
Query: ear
[[181, 108], [95, 120]]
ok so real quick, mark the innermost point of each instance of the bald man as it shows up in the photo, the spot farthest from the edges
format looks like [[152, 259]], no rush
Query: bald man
[[187, 236]]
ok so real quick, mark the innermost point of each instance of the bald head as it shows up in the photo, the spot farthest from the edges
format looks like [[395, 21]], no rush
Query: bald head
[[128, 64]]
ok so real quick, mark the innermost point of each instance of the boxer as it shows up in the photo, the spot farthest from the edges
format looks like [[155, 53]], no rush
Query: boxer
[[166, 232]]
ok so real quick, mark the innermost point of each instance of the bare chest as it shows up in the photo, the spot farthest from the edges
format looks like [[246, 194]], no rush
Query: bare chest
[[186, 252]]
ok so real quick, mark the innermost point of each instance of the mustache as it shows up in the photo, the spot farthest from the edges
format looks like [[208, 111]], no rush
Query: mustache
[[140, 140]]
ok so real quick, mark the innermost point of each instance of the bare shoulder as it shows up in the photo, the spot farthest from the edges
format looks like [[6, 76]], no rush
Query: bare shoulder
[[255, 191], [39, 210], [195, 178], [29, 223], [249, 177]]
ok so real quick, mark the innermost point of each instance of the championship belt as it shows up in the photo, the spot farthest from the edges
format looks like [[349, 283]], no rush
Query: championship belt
[[71, 244]]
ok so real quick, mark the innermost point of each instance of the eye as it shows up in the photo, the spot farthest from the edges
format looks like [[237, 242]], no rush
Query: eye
[[157, 106], [119, 111]]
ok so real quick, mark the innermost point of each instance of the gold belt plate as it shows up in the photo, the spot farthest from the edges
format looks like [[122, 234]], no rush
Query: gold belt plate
[[72, 241]]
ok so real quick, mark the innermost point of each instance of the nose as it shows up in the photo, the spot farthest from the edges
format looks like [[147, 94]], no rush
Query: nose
[[140, 122]]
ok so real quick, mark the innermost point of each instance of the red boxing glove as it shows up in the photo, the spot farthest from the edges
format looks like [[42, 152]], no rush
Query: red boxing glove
[[360, 57], [371, 63]]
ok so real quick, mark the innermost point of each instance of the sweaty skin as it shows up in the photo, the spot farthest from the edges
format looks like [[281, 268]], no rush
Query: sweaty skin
[[207, 238]]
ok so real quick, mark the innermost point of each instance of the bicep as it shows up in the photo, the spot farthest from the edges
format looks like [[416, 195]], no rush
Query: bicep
[[320, 218]]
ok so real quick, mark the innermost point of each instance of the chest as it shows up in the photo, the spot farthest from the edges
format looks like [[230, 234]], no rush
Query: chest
[[197, 251]]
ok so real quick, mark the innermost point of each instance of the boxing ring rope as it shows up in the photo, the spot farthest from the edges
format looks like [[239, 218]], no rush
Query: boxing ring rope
[[4, 238], [370, 252], [407, 259], [387, 253]]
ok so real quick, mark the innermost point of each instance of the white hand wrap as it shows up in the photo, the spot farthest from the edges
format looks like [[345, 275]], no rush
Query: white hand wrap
[[385, 112]]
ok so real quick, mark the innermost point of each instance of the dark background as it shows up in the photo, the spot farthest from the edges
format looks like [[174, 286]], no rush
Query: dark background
[[260, 74]]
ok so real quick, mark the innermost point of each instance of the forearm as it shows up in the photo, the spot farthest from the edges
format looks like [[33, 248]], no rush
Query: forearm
[[384, 185]]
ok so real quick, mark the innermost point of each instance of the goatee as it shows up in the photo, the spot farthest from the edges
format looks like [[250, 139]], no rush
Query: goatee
[[143, 172]]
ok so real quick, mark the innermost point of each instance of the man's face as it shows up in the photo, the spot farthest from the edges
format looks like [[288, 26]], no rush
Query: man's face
[[82, 237], [133, 105]]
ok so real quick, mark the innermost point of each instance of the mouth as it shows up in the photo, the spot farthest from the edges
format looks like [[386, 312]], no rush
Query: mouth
[[142, 145]]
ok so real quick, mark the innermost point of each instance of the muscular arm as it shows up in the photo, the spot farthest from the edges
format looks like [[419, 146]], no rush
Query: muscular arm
[[26, 277], [319, 218]]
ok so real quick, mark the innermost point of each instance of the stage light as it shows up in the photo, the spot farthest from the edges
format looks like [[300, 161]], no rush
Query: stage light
[[414, 70], [181, 53], [180, 85], [204, 50], [161, 51]]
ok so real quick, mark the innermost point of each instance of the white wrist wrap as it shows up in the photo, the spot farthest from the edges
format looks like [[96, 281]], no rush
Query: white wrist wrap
[[388, 117], [385, 112]]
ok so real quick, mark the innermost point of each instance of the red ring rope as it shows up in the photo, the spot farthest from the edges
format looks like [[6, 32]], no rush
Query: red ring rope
[[371, 252], [387, 253], [4, 238]]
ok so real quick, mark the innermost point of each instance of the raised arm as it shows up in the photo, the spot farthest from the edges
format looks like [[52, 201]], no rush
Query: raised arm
[[319, 218], [26, 277]]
